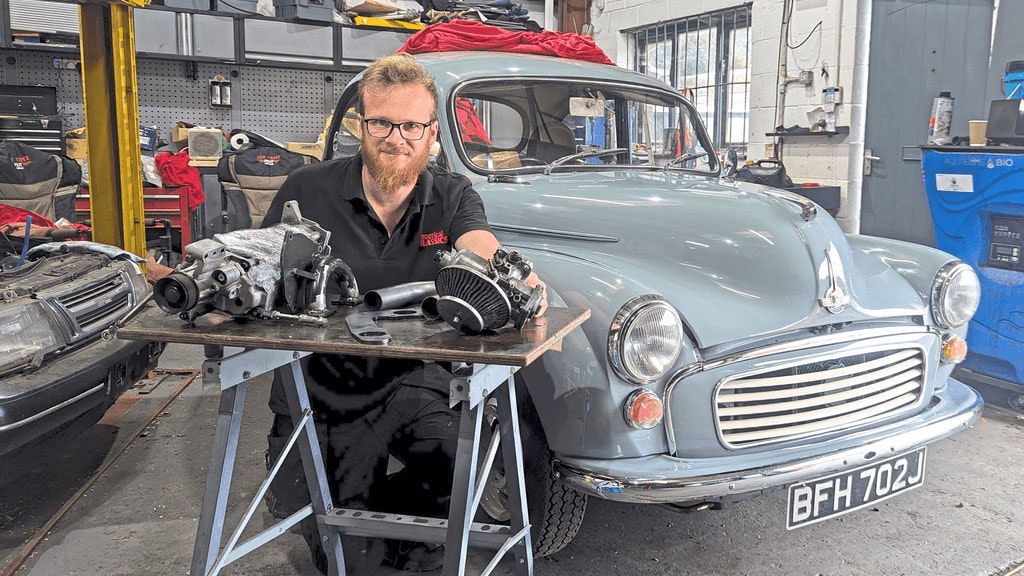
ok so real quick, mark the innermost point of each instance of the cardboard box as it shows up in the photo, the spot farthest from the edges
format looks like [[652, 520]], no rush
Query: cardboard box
[[77, 148], [315, 149], [179, 133]]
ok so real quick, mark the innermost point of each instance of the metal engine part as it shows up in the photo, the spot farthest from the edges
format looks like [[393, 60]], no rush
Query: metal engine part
[[364, 328], [476, 294], [284, 271], [399, 295]]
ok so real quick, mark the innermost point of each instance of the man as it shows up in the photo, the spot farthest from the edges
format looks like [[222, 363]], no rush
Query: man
[[388, 213]]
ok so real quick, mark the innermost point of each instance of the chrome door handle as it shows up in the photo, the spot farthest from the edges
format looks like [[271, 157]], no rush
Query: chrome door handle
[[868, 159]]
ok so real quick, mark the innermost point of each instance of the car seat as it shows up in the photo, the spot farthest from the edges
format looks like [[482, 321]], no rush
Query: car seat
[[551, 141], [251, 178], [38, 181]]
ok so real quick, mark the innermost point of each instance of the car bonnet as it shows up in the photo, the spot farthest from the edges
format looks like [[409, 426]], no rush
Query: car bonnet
[[736, 262]]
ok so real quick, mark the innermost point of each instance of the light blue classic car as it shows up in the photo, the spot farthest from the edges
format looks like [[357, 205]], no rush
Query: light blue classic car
[[739, 340]]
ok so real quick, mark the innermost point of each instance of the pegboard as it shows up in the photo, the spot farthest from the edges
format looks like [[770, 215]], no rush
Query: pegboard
[[174, 90], [287, 104], [32, 68], [282, 104]]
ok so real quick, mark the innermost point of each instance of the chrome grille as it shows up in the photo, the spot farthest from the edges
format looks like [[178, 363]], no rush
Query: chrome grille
[[96, 306], [819, 397]]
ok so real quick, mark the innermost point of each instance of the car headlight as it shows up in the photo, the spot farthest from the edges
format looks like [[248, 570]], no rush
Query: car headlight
[[645, 339], [27, 333], [955, 295], [140, 287]]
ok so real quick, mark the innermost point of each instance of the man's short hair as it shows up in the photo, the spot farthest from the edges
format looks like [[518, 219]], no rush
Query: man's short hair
[[396, 70]]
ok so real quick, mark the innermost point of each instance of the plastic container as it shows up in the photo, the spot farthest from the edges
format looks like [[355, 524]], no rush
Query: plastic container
[[1013, 80], [977, 206], [941, 118]]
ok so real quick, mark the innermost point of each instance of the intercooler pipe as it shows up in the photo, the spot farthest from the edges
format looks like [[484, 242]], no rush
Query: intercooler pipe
[[428, 307], [335, 273], [399, 295]]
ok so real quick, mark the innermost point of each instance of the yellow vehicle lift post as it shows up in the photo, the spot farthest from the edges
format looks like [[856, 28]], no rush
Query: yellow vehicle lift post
[[110, 94]]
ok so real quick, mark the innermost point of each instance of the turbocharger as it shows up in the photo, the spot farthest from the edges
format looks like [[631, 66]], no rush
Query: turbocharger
[[476, 294], [283, 271]]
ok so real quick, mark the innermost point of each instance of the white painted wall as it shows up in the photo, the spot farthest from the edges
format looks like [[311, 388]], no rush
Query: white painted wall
[[825, 160]]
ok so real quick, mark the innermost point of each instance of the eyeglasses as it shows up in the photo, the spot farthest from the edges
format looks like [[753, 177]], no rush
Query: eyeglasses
[[381, 128]]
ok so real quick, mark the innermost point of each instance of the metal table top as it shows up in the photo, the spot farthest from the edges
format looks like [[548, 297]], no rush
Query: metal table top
[[416, 338]]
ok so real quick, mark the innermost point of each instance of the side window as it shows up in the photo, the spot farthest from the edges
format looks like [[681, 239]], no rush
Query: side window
[[491, 132], [506, 125]]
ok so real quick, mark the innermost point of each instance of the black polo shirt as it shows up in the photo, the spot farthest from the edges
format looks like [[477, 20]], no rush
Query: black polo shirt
[[444, 207]]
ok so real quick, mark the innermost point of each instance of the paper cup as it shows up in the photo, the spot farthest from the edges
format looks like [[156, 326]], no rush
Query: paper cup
[[977, 132]]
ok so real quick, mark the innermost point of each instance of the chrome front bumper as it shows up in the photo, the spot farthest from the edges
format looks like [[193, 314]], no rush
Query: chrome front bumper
[[666, 479]]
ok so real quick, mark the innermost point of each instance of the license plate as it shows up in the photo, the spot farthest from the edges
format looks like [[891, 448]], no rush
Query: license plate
[[816, 500]]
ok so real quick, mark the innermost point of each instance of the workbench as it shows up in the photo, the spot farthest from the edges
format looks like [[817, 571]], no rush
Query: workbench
[[238, 350]]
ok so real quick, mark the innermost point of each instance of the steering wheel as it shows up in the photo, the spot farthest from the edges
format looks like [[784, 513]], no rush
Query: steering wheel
[[531, 161]]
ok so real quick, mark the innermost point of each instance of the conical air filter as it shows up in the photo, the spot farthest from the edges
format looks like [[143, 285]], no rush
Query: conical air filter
[[470, 301]]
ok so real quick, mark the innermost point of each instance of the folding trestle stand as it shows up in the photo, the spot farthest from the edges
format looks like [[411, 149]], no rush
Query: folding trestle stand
[[476, 387]]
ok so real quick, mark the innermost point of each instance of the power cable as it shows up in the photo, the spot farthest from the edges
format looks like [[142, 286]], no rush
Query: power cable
[[806, 38], [233, 7]]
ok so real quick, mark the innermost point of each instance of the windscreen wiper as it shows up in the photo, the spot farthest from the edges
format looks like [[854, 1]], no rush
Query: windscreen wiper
[[684, 158], [583, 155]]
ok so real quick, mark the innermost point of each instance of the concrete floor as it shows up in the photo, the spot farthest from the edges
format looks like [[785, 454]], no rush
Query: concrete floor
[[140, 515]]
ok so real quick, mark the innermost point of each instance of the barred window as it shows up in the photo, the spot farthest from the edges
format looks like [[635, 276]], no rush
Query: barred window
[[707, 58]]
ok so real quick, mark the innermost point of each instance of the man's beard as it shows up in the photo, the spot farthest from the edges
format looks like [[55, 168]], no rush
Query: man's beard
[[389, 178]]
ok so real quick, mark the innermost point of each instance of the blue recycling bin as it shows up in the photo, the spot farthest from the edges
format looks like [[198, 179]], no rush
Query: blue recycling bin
[[976, 198]]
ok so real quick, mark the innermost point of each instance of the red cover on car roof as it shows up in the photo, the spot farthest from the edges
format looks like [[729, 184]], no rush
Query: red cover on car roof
[[470, 35]]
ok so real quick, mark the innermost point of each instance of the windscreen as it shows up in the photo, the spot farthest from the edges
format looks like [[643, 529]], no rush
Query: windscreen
[[529, 125]]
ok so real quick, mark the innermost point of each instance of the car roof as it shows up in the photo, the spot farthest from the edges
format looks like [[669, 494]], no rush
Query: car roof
[[452, 68]]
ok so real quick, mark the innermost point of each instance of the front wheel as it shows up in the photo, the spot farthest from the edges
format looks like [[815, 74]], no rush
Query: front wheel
[[556, 510]]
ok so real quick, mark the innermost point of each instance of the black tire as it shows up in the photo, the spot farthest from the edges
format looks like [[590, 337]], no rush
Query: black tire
[[556, 510]]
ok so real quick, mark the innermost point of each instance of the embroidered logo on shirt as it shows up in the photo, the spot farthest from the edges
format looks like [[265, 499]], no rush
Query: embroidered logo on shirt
[[433, 239]]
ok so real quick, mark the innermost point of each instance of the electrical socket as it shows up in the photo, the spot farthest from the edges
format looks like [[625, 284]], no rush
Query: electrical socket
[[807, 77], [67, 63]]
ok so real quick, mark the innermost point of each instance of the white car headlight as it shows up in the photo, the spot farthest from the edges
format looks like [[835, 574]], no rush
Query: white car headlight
[[27, 333], [645, 339], [955, 295], [140, 287]]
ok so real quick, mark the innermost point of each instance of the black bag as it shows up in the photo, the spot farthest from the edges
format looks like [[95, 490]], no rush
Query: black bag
[[38, 181], [250, 180], [768, 172]]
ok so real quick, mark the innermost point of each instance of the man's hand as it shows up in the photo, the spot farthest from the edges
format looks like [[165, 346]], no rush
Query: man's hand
[[485, 244], [155, 271], [534, 280]]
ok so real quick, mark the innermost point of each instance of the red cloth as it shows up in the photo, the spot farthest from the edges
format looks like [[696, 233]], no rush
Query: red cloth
[[14, 215], [472, 128], [470, 35], [175, 171]]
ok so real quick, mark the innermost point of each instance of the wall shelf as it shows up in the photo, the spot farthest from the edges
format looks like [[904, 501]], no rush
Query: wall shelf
[[803, 131], [222, 37]]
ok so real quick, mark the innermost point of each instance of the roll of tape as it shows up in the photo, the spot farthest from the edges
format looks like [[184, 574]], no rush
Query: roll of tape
[[239, 141]]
